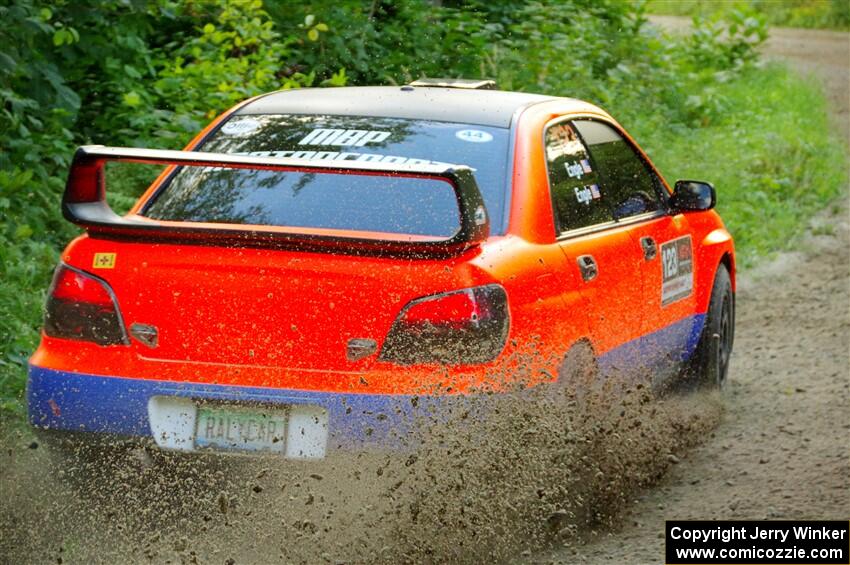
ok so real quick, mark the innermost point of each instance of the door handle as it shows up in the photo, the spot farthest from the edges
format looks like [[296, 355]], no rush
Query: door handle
[[588, 268], [650, 250]]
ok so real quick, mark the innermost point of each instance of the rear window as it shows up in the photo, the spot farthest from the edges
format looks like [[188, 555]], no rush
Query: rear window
[[338, 201], [574, 183]]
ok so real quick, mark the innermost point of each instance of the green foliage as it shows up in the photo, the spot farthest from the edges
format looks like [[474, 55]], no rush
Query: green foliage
[[390, 42], [728, 43], [232, 52], [770, 157], [626, 66], [154, 72], [35, 120], [578, 45], [148, 73], [830, 14]]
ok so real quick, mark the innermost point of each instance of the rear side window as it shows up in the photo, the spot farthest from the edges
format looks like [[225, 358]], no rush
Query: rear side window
[[574, 183], [630, 187], [390, 204]]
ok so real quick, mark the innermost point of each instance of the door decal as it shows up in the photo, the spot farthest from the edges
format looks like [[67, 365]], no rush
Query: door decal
[[677, 270]]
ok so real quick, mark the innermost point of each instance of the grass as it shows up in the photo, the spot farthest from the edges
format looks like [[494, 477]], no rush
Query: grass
[[772, 157], [26, 270], [770, 154], [818, 14]]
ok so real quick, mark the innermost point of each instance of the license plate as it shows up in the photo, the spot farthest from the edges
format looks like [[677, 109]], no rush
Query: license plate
[[242, 429]]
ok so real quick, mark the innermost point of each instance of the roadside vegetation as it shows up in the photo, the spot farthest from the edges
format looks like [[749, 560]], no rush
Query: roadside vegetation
[[153, 73], [818, 14]]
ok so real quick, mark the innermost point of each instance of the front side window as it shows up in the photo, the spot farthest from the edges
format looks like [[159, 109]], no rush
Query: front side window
[[630, 187], [389, 204]]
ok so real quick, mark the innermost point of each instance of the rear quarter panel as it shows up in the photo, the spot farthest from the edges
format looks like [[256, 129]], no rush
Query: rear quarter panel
[[547, 313]]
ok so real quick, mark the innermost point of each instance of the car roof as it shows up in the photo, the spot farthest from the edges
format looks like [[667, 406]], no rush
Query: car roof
[[482, 107]]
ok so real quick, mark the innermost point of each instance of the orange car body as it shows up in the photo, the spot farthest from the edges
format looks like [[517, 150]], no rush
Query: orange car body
[[273, 326]]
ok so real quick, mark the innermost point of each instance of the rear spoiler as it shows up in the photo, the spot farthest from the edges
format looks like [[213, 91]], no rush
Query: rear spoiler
[[84, 203]]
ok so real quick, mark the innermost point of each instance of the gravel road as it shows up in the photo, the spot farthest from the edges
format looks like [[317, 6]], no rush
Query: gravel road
[[782, 449]]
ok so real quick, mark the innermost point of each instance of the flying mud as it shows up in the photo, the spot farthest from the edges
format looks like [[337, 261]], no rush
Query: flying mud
[[501, 475]]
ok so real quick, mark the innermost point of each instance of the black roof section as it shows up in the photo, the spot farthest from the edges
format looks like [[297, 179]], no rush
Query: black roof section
[[483, 107]]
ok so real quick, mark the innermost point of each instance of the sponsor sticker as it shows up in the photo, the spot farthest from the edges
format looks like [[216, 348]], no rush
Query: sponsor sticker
[[561, 139], [583, 194], [473, 136], [574, 170], [344, 156], [238, 128], [343, 137], [103, 261], [587, 193], [677, 270], [480, 216]]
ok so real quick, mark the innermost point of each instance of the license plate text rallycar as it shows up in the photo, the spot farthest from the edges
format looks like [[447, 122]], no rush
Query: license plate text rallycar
[[241, 429]]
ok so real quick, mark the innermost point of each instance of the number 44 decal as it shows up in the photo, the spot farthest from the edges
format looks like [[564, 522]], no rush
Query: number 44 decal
[[677, 270]]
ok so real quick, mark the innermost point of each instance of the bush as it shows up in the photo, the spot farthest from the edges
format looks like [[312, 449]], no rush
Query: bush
[[231, 52], [116, 72]]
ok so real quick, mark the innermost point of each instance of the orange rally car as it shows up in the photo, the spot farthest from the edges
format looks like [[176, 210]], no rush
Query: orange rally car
[[320, 264]]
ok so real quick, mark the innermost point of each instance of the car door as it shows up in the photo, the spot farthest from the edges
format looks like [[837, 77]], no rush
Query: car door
[[638, 199], [602, 253]]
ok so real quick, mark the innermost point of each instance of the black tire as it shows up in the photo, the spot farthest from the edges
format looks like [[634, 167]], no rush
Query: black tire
[[709, 366]]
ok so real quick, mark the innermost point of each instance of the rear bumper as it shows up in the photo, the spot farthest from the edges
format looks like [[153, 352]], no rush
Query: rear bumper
[[76, 402], [79, 402]]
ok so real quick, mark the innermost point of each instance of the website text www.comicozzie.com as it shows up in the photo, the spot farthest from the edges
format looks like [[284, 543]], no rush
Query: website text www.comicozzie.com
[[764, 542], [688, 554]]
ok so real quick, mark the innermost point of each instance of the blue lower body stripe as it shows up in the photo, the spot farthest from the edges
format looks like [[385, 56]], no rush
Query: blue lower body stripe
[[115, 405], [662, 352]]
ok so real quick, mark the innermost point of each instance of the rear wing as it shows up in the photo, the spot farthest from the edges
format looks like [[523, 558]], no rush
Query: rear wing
[[84, 203]]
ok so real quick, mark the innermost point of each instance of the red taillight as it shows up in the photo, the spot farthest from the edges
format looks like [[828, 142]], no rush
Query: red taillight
[[74, 286], [81, 306], [465, 326], [455, 309]]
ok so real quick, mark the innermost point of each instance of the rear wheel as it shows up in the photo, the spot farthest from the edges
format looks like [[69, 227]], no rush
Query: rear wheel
[[710, 363], [578, 374]]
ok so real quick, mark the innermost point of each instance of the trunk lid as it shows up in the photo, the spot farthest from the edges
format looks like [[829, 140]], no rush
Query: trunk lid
[[262, 307]]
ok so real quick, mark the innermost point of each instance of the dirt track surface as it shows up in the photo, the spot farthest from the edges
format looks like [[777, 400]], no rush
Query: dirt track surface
[[782, 449]]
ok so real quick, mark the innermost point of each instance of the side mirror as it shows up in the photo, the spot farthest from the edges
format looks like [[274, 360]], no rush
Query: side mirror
[[693, 196]]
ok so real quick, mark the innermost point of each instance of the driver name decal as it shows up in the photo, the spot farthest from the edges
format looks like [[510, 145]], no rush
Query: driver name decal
[[677, 270], [587, 193]]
